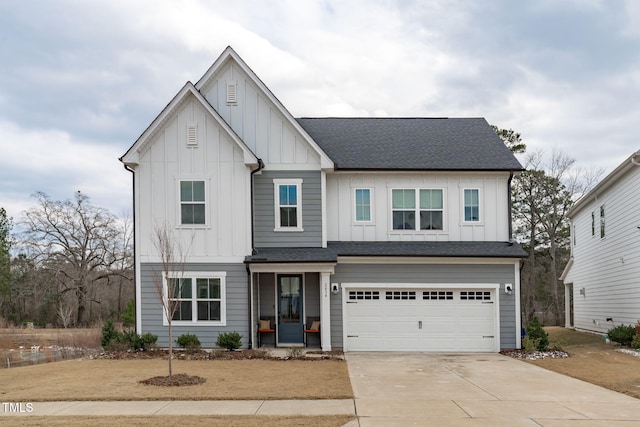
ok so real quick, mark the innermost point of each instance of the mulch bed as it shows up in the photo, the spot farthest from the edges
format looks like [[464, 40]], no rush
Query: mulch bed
[[241, 354], [175, 380]]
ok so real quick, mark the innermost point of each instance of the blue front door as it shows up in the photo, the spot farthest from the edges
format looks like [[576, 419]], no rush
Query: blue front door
[[290, 309]]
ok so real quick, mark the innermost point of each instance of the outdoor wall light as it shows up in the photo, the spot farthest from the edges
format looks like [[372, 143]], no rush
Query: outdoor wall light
[[335, 288], [508, 288], [583, 292]]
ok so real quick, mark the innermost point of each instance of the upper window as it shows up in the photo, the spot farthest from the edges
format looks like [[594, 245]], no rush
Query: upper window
[[472, 205], [192, 202], [363, 205], [429, 209], [288, 204], [601, 221], [197, 297]]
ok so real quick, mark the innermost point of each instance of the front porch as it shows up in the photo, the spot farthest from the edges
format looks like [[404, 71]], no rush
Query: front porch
[[290, 305]]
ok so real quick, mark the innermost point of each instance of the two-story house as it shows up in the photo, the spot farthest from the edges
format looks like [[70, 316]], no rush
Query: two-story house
[[372, 234], [602, 278]]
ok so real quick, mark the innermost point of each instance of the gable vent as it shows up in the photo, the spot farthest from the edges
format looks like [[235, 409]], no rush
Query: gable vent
[[232, 93], [192, 134]]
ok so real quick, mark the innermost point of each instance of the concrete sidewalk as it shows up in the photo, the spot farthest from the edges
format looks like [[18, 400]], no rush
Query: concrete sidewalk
[[182, 407]]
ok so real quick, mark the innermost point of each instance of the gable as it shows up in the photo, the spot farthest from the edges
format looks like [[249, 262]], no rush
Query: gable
[[411, 144], [200, 113], [258, 117]]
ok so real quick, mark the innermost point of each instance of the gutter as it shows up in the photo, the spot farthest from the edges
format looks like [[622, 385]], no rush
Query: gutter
[[253, 252]]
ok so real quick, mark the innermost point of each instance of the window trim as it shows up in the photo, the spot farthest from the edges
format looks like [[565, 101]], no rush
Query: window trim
[[355, 206], [194, 275], [417, 210], [206, 207], [464, 207], [602, 222], [593, 223], [276, 203]]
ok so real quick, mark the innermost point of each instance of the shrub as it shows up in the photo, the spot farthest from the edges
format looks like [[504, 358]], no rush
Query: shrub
[[530, 345], [129, 340], [535, 331], [635, 343], [189, 342], [229, 340], [109, 333], [622, 334], [128, 316]]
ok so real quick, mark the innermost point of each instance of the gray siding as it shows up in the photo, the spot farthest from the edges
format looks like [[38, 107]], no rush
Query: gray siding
[[429, 273], [264, 218], [237, 305]]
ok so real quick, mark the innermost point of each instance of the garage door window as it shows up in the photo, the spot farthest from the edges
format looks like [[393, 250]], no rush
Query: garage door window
[[475, 295], [401, 295], [364, 295], [437, 295]]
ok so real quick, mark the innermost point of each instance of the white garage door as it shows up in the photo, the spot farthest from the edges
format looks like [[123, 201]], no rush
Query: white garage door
[[447, 320]]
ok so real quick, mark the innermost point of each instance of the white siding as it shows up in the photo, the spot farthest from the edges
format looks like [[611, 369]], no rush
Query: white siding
[[265, 130], [494, 209], [608, 268], [219, 162]]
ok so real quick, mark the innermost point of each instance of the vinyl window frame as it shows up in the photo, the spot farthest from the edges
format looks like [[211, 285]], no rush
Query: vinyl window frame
[[204, 202], [277, 183], [417, 209], [355, 205], [194, 276], [478, 206]]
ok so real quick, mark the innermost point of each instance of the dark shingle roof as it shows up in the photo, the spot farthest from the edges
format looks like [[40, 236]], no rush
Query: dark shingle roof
[[388, 249], [410, 143]]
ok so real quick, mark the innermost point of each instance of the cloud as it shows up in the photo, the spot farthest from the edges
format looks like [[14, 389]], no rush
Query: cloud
[[55, 163]]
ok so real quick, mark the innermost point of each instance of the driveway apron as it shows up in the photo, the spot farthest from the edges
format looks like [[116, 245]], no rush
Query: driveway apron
[[424, 389]]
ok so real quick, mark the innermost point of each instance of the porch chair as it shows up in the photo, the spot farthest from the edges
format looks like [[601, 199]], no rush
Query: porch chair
[[312, 327], [266, 325]]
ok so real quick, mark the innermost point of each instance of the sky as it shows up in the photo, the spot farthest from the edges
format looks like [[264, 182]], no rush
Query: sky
[[81, 80]]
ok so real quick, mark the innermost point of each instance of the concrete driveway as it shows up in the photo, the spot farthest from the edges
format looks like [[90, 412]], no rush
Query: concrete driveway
[[401, 389]]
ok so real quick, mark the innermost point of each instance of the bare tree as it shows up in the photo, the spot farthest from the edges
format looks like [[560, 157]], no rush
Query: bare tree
[[170, 280], [74, 241], [65, 314]]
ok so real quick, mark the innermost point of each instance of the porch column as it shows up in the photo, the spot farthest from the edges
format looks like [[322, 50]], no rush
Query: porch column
[[325, 311]]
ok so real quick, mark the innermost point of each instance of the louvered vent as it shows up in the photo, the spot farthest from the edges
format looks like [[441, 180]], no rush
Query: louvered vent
[[192, 134], [232, 93]]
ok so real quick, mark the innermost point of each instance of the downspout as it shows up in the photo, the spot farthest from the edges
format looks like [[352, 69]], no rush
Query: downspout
[[253, 251], [133, 176]]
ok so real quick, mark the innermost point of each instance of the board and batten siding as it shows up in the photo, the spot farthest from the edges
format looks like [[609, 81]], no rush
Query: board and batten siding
[[608, 268], [264, 209], [265, 130], [218, 161], [494, 207], [237, 304], [430, 274]]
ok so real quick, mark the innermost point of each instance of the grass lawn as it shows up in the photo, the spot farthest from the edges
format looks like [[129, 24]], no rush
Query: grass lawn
[[594, 361], [84, 379]]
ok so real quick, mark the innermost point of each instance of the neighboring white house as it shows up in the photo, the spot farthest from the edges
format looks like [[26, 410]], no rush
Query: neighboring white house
[[602, 278], [384, 234]]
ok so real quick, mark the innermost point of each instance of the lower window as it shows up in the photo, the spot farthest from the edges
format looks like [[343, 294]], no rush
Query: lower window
[[196, 298]]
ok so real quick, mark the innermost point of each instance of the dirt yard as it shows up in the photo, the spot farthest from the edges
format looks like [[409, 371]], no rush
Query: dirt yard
[[592, 360]]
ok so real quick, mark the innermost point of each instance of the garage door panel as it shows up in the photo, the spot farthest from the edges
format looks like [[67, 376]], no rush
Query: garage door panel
[[421, 320]]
